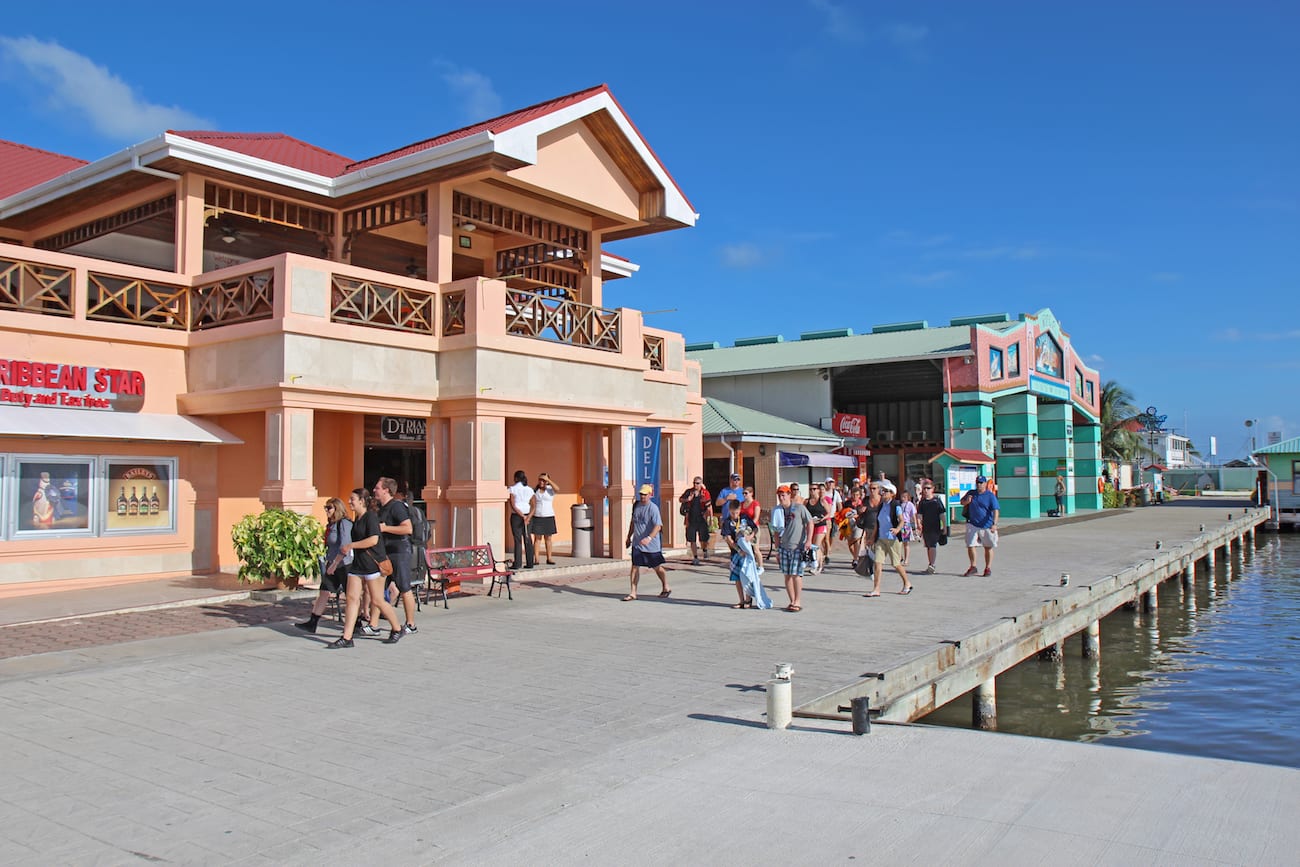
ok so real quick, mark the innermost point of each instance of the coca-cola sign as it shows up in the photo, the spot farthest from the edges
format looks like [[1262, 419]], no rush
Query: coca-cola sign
[[847, 425]]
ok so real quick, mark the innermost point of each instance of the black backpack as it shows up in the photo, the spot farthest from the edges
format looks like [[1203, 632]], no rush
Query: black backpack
[[419, 526]]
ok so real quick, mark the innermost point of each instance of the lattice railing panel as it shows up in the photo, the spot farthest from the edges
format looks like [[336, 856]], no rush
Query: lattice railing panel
[[529, 314], [652, 349], [379, 305], [453, 313], [138, 302], [240, 299], [35, 288]]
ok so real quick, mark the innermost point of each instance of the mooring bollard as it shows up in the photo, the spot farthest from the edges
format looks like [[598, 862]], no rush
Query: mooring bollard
[[1065, 579], [779, 692], [861, 709]]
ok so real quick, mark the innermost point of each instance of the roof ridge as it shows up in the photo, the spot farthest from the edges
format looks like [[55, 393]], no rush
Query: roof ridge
[[250, 135], [482, 124]]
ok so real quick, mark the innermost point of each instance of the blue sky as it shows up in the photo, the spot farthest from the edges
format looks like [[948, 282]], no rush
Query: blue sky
[[1133, 166]]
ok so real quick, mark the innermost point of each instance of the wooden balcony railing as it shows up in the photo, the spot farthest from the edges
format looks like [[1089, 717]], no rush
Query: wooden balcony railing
[[138, 302], [364, 302], [652, 349], [453, 313], [245, 298], [529, 314], [35, 288]]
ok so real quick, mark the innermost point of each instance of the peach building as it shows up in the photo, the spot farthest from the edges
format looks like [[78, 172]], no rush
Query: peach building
[[206, 324]]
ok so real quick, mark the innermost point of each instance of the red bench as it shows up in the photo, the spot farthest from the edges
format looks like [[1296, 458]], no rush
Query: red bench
[[469, 562]]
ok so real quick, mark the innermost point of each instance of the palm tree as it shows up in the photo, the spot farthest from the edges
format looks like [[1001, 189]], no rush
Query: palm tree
[[1119, 441]]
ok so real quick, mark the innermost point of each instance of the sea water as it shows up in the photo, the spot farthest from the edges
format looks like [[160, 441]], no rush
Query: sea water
[[1215, 671]]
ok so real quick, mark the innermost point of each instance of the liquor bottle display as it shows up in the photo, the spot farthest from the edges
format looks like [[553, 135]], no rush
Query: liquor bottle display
[[153, 503], [121, 503], [133, 504]]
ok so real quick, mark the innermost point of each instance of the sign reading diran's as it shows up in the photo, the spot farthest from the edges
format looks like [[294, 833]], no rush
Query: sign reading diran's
[[71, 386]]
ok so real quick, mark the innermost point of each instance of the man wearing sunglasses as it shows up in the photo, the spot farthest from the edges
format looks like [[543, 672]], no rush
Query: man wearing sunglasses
[[930, 513]]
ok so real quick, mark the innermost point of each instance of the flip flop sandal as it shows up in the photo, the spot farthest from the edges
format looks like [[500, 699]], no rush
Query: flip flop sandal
[[629, 598], [665, 594], [905, 592]]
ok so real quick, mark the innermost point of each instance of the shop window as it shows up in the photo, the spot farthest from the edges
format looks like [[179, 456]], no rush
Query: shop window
[[71, 496], [138, 495], [995, 364]]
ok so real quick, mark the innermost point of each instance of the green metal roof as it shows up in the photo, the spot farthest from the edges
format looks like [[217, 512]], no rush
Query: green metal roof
[[833, 351], [730, 419], [1285, 447]]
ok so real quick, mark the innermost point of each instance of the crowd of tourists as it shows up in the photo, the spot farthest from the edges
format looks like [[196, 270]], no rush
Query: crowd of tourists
[[878, 523]]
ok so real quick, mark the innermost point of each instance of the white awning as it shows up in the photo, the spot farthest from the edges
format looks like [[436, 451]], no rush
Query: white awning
[[815, 459], [92, 424]]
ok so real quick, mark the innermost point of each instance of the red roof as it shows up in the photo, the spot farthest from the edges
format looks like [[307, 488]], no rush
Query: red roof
[[966, 456], [495, 125], [23, 167], [274, 147]]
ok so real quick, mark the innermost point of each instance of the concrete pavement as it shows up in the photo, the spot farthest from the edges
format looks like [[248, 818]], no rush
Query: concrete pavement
[[567, 726]]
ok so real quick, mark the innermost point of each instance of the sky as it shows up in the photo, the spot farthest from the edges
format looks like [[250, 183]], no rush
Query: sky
[[1134, 167]]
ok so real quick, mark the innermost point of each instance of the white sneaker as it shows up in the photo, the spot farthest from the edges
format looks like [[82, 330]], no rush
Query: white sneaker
[[929, 570]]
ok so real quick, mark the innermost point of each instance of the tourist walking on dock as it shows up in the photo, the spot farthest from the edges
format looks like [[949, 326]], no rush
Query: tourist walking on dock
[[395, 525], [542, 524], [522, 500], [333, 578], [908, 508], [697, 509], [729, 499], [643, 537], [746, 571], [889, 544], [981, 524], [932, 519], [796, 539], [367, 549]]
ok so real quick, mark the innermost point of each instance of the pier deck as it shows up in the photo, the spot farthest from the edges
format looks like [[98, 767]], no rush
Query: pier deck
[[567, 726]]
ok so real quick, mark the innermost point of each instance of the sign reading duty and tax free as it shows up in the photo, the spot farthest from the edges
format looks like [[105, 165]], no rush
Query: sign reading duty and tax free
[[72, 386]]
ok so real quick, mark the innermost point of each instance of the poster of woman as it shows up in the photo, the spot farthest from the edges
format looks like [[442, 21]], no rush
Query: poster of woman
[[1048, 354]]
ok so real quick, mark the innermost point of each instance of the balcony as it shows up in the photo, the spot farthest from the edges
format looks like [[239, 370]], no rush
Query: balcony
[[295, 289]]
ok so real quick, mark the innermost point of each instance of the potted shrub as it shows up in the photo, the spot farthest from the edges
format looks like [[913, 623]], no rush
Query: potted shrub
[[278, 545]]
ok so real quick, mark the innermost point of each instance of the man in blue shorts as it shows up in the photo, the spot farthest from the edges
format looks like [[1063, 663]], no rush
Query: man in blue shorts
[[796, 538], [981, 525]]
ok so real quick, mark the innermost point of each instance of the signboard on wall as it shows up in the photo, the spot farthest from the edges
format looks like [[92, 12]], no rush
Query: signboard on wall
[[69, 386], [961, 478], [401, 429], [1013, 445], [1046, 387], [848, 425], [645, 458]]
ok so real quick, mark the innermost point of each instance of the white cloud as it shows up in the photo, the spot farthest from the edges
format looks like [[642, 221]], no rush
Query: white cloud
[[904, 238], [478, 98], [742, 256], [931, 278], [1232, 335], [841, 23], [77, 84], [1096, 360], [906, 35]]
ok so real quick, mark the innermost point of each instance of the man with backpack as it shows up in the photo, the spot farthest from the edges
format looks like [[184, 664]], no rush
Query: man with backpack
[[889, 538], [419, 537]]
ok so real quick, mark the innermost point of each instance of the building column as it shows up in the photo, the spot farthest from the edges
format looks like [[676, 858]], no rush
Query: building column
[[189, 224], [434, 493], [440, 234], [984, 705], [1087, 466], [673, 482], [1016, 419], [476, 487], [1055, 452], [592, 486], [622, 489], [289, 456]]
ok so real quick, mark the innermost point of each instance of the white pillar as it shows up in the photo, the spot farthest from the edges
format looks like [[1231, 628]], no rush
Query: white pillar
[[1092, 640], [779, 692], [984, 706]]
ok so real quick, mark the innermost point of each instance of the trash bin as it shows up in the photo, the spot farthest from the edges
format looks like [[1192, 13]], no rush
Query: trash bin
[[582, 529], [1144, 496]]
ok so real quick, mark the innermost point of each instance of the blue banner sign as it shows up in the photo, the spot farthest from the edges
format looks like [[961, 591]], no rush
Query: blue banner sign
[[645, 458], [1039, 385]]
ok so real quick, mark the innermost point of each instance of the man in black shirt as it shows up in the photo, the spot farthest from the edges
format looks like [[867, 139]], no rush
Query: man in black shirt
[[931, 513], [698, 509], [395, 526]]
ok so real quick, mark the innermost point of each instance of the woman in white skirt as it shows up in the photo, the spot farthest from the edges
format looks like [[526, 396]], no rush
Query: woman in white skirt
[[542, 525]]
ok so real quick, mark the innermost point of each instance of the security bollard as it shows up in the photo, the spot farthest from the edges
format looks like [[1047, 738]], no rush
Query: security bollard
[[861, 708]]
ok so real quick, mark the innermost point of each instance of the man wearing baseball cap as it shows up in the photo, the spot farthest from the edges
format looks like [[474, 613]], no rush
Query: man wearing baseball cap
[[643, 538], [729, 498], [981, 524]]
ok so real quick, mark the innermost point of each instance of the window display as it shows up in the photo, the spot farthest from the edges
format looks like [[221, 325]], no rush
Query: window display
[[137, 495], [51, 494]]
